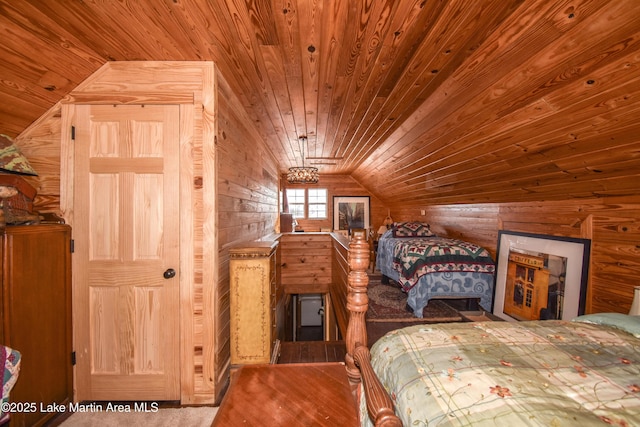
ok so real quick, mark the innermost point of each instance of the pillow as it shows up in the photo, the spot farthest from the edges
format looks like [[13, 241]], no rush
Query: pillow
[[411, 229], [622, 321]]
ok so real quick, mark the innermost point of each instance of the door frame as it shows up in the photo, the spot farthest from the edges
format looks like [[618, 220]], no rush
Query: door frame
[[201, 379]]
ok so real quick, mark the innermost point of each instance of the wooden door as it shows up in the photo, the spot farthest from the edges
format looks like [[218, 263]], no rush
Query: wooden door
[[126, 232]]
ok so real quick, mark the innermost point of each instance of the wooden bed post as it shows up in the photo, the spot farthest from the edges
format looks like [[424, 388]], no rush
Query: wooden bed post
[[358, 359], [357, 301]]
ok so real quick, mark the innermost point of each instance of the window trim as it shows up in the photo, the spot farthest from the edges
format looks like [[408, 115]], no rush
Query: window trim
[[325, 203], [306, 204]]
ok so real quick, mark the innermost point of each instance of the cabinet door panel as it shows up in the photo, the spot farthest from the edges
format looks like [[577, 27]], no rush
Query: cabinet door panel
[[36, 275]]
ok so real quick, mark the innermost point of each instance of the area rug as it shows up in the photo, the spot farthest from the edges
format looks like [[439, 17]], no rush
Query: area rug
[[388, 303]]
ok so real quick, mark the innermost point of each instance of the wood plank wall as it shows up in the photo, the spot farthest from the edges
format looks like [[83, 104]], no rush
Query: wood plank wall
[[340, 185], [40, 143], [614, 225], [247, 201]]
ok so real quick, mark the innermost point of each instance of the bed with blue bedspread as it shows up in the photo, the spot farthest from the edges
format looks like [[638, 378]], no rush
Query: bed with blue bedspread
[[428, 266]]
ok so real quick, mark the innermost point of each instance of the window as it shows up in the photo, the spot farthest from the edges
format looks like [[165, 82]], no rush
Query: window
[[317, 203], [295, 198], [314, 207]]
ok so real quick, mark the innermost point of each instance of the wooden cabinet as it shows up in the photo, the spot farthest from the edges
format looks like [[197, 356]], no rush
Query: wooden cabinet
[[36, 315], [257, 302]]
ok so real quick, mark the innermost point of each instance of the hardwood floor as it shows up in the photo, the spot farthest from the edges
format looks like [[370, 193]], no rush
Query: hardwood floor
[[312, 352]]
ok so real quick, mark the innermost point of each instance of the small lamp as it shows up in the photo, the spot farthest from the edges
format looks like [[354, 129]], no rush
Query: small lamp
[[635, 305], [388, 221]]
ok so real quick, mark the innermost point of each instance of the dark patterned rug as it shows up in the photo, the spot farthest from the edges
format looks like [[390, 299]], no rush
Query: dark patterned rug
[[388, 303]]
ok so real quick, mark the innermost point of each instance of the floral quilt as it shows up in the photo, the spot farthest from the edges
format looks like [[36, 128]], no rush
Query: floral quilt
[[540, 373]]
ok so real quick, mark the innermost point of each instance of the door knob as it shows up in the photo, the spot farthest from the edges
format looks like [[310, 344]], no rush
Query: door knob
[[169, 273]]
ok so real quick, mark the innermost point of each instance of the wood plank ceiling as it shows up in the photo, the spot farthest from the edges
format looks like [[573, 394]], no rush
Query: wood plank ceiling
[[422, 101]]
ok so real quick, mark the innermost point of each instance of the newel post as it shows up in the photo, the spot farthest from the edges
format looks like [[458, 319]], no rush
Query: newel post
[[357, 300]]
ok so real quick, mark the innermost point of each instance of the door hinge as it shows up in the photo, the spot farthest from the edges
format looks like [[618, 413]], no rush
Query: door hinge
[[73, 133], [72, 246], [73, 358]]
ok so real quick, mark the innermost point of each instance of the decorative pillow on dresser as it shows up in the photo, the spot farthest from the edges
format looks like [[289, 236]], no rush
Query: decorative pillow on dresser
[[412, 229]]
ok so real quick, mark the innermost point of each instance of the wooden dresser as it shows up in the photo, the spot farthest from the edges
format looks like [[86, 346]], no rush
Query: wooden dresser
[[36, 315], [257, 302]]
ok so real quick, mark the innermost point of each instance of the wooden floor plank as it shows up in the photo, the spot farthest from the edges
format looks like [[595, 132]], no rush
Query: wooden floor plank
[[312, 352], [284, 396]]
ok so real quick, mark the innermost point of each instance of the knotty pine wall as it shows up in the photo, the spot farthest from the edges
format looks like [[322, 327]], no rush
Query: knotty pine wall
[[247, 200], [612, 224]]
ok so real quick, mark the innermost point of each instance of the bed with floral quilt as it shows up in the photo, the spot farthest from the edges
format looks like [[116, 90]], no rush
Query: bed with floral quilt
[[584, 372], [428, 266]]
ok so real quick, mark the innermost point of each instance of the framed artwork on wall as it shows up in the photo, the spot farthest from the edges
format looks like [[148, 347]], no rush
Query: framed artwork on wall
[[350, 212], [540, 277]]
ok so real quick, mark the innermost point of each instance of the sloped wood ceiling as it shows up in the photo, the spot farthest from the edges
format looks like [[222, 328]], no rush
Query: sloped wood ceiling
[[422, 101]]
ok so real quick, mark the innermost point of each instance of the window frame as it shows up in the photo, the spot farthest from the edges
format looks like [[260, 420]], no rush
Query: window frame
[[325, 203], [307, 203], [303, 204]]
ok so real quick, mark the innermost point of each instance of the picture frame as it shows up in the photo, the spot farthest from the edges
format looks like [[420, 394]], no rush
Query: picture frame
[[540, 277], [351, 212]]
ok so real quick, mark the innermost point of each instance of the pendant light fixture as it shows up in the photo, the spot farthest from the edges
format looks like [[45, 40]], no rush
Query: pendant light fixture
[[303, 174]]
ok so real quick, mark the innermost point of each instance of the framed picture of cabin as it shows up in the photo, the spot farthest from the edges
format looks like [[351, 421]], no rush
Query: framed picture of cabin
[[540, 277], [350, 212]]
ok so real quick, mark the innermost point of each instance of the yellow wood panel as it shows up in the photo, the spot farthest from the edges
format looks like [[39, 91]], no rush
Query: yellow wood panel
[[253, 305], [250, 312]]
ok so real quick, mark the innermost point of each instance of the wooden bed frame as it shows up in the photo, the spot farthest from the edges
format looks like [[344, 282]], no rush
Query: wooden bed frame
[[380, 407], [358, 359]]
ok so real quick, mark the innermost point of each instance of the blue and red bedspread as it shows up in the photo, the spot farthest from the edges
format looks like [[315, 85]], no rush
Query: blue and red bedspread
[[415, 257]]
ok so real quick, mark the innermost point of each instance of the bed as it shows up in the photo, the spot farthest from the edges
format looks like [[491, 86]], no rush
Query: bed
[[548, 373], [427, 266]]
